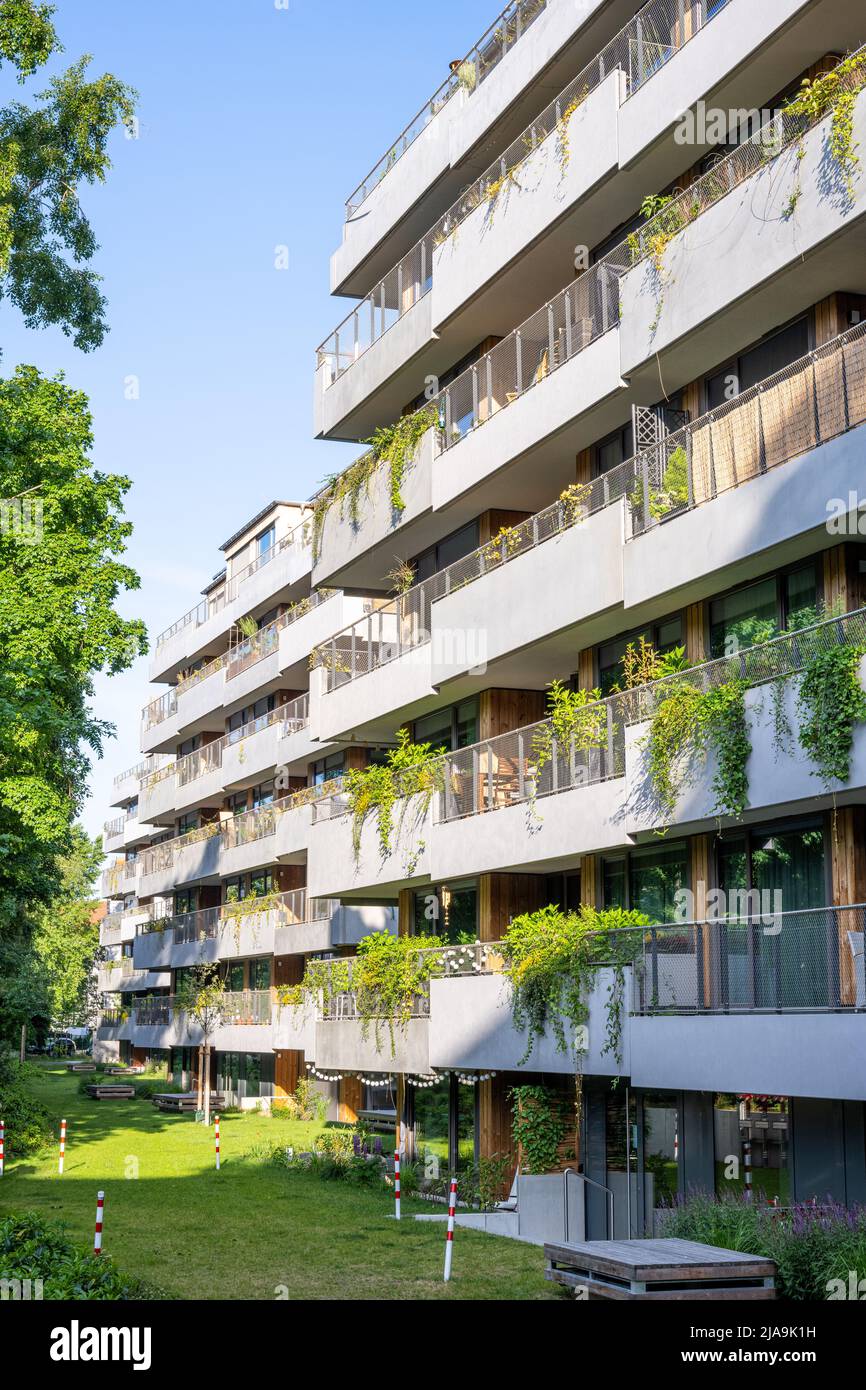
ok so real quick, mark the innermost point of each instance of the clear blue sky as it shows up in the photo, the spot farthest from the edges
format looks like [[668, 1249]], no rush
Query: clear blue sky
[[256, 123]]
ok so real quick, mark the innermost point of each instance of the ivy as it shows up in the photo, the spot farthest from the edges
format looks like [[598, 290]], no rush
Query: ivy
[[835, 93], [411, 769], [386, 978], [538, 1127], [551, 959], [394, 445], [685, 725], [830, 702], [577, 722]]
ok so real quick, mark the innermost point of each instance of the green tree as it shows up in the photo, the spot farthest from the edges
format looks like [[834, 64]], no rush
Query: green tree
[[48, 150], [66, 937], [58, 626], [202, 999]]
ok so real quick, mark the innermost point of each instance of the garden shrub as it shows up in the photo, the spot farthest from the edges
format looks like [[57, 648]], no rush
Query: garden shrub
[[33, 1248], [26, 1119]]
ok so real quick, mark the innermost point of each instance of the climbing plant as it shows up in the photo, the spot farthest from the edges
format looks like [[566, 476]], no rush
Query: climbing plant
[[830, 701], [386, 977], [552, 958], [411, 770], [685, 724], [835, 93], [539, 1125], [576, 722], [397, 444]]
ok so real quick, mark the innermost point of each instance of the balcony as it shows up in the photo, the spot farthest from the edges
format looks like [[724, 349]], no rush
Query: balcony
[[245, 1023], [773, 202], [334, 869], [112, 834], [283, 567], [119, 879], [772, 1004]]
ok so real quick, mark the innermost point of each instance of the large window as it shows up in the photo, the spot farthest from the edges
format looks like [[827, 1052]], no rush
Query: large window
[[775, 951], [758, 612], [445, 552], [614, 450], [757, 1127], [449, 911], [326, 768], [663, 636], [771, 355], [647, 880], [450, 728]]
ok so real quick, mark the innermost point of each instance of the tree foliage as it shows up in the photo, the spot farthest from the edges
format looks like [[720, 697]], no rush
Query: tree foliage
[[58, 626], [48, 150]]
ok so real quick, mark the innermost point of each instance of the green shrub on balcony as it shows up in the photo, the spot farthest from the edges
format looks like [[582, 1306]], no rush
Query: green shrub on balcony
[[411, 770]]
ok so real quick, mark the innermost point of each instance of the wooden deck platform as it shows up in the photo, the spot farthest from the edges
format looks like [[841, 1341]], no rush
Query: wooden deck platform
[[659, 1270], [184, 1102], [102, 1090]]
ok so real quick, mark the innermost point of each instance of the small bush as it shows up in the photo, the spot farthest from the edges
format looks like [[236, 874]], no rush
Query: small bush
[[32, 1248], [811, 1245], [27, 1122], [306, 1104]]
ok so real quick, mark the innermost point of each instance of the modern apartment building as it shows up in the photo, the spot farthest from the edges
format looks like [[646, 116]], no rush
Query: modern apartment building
[[611, 283]]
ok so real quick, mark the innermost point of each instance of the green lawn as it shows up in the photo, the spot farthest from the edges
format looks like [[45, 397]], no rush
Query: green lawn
[[241, 1233]]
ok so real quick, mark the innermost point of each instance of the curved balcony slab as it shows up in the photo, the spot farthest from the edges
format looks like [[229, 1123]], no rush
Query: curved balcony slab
[[294, 1029], [253, 855], [344, 554], [782, 782], [570, 409], [153, 950], [293, 834]]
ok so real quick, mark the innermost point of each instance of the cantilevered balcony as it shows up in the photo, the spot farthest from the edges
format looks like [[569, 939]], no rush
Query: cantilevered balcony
[[782, 218], [555, 803], [283, 568]]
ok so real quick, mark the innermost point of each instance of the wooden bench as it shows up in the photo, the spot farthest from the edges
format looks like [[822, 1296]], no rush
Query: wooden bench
[[101, 1090], [659, 1270], [81, 1066], [184, 1103]]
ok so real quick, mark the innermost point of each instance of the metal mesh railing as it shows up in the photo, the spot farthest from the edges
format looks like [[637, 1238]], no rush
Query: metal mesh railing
[[816, 398], [150, 1013], [216, 601], [639, 50], [201, 674], [198, 763], [761, 960], [529, 763], [554, 334], [159, 710], [250, 826], [114, 827], [481, 59], [266, 641]]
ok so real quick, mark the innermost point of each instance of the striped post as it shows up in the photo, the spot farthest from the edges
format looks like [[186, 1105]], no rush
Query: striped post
[[97, 1235], [449, 1234], [62, 1145], [747, 1169], [397, 1183], [216, 1135], [2, 1146]]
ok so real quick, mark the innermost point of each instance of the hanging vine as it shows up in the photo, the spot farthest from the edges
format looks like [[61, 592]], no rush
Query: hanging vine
[[395, 445], [830, 701], [685, 724], [411, 770], [552, 958]]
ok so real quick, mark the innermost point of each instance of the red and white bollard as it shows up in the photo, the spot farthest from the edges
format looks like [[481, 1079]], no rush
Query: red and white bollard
[[747, 1170], [97, 1235], [216, 1135], [397, 1183], [2, 1146], [449, 1234], [62, 1146]]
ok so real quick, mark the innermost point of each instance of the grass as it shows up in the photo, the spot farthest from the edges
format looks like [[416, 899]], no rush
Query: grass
[[253, 1230]]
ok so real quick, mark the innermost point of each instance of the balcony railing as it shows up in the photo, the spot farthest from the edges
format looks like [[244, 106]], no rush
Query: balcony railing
[[639, 50], [158, 858], [529, 763], [237, 1007], [482, 58], [290, 908], [266, 640], [215, 602], [159, 710], [198, 763], [810, 959], [114, 827]]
